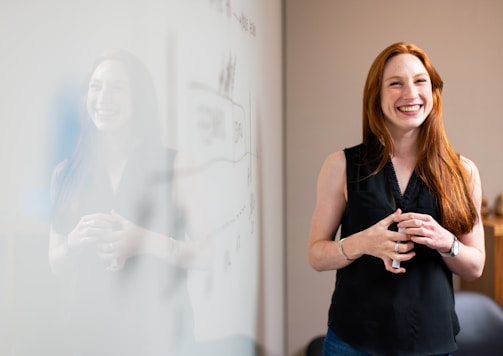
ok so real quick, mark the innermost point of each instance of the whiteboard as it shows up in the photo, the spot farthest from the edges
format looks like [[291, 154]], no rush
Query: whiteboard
[[216, 66]]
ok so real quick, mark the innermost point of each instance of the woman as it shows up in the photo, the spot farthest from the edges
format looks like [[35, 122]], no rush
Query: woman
[[117, 240], [409, 210]]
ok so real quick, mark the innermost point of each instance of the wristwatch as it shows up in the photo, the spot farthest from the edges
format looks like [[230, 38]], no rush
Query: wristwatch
[[454, 249]]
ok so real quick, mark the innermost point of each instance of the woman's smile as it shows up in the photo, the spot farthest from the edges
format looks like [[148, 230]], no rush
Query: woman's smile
[[109, 100], [409, 108]]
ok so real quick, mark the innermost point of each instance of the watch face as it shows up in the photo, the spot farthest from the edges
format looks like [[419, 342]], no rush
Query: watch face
[[455, 248]]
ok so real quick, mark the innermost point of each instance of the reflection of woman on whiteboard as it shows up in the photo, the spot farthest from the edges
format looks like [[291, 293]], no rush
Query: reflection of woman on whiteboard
[[116, 233]]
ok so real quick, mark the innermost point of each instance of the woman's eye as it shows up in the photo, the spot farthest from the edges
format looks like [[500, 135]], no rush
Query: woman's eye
[[118, 89], [393, 84], [422, 80]]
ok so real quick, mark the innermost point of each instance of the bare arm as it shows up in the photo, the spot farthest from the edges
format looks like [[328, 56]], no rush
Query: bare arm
[[323, 252], [472, 247]]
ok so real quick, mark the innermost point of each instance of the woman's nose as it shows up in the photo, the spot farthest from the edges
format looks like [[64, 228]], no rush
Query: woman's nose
[[104, 95], [410, 92]]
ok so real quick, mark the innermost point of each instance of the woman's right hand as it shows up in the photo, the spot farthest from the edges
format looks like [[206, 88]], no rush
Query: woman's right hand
[[389, 245], [89, 229]]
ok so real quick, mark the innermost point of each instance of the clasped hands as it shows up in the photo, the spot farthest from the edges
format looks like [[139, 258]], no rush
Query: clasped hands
[[114, 238], [415, 228]]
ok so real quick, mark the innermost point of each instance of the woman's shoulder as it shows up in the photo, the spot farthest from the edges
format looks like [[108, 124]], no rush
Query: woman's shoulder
[[467, 163], [335, 162], [469, 166]]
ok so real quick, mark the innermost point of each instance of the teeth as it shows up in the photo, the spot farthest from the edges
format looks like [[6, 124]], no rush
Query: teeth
[[409, 108]]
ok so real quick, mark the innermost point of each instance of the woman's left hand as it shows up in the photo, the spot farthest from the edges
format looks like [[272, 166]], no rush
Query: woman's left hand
[[121, 244], [425, 230]]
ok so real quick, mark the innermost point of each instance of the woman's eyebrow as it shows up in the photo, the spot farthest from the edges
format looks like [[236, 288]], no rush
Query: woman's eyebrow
[[400, 77]]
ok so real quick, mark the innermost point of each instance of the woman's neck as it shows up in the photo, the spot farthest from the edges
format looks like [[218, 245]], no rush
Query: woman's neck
[[405, 146]]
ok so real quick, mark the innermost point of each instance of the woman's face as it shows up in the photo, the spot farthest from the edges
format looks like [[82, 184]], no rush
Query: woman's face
[[406, 94], [109, 100]]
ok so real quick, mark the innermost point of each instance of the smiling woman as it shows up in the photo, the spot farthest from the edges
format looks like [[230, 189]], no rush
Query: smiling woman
[[116, 240], [409, 211]]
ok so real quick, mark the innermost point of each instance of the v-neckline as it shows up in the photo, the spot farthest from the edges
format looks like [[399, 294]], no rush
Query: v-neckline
[[117, 176], [393, 179]]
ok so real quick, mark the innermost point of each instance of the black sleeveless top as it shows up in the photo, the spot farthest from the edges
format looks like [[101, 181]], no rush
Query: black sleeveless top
[[377, 311]]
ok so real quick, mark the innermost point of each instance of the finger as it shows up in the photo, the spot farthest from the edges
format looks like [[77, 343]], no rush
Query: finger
[[94, 234], [404, 256], [107, 253], [409, 247], [412, 216], [101, 224], [113, 236], [115, 265], [110, 246], [392, 218], [98, 216], [91, 228], [420, 230], [422, 240], [402, 247], [398, 236], [413, 225], [96, 224], [390, 268], [81, 241], [83, 233], [395, 265]]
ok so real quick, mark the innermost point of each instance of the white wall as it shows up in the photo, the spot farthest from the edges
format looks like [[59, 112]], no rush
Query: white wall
[[47, 48], [329, 48]]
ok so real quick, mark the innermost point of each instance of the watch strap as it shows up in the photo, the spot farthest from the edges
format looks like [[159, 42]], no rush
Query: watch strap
[[453, 251]]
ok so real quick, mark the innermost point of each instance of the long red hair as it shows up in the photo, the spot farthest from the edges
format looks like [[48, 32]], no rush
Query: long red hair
[[438, 164]]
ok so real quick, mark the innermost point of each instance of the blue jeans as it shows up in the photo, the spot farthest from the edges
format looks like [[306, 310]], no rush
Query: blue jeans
[[335, 346]]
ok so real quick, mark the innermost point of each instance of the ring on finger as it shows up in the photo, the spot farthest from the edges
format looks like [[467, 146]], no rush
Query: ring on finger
[[397, 244]]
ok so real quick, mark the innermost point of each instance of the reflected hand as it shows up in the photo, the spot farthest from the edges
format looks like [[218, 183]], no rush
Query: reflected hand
[[121, 243], [90, 229]]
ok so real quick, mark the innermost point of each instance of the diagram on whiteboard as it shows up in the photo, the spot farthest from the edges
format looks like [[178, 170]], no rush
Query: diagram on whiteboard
[[216, 127]]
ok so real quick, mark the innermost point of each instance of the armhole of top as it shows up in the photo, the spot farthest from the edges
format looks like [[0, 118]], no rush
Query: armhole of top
[[346, 183]]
